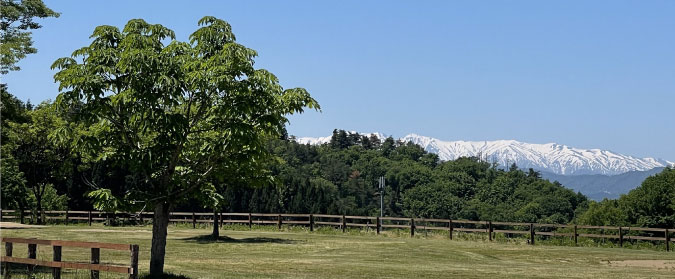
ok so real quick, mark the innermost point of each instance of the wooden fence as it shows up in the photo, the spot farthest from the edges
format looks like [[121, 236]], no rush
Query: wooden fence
[[56, 264], [619, 234]]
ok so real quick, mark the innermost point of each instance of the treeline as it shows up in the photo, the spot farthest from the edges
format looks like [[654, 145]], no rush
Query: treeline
[[650, 205], [41, 172], [339, 177]]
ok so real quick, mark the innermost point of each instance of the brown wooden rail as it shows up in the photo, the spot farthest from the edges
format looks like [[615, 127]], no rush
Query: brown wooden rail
[[56, 264], [619, 233]]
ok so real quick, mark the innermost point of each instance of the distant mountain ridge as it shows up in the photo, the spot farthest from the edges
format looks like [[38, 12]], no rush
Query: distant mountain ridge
[[599, 186], [550, 157]]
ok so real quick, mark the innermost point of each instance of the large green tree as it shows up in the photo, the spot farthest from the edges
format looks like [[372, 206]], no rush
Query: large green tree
[[42, 161], [14, 194], [16, 21], [173, 112]]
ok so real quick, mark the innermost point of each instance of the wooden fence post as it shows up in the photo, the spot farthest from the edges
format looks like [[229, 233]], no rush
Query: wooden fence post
[[222, 220], [32, 254], [667, 240], [134, 262], [250, 221], [89, 217], [95, 259], [56, 271], [8, 253], [194, 220], [279, 221], [490, 230], [378, 226], [311, 222], [450, 228], [344, 223], [576, 236], [531, 234], [0, 215], [412, 227], [620, 237], [66, 217]]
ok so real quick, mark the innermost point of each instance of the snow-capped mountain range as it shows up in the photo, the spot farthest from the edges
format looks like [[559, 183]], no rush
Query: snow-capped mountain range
[[549, 157]]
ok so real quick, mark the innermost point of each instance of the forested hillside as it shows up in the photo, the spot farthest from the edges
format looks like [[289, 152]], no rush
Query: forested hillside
[[341, 178]]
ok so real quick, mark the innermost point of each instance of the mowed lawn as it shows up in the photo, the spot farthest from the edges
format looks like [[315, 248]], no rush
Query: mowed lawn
[[301, 254]]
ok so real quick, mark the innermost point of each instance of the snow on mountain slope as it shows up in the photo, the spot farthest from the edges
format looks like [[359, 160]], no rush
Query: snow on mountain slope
[[549, 157], [313, 141]]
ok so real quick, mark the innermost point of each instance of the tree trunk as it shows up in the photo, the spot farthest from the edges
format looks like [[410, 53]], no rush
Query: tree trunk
[[216, 222], [39, 214], [21, 213], [160, 222]]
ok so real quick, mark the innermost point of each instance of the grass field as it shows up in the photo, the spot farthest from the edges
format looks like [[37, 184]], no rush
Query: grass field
[[296, 253]]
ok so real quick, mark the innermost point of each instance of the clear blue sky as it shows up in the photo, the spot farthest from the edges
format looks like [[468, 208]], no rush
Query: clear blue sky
[[589, 75]]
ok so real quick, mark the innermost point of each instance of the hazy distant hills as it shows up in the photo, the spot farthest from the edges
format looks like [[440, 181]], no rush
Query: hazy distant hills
[[594, 172], [598, 186]]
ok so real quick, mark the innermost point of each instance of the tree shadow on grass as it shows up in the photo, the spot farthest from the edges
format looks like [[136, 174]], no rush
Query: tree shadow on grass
[[205, 239]]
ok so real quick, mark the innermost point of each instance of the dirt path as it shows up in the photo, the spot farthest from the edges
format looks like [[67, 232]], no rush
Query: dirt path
[[110, 231], [644, 263], [10, 225]]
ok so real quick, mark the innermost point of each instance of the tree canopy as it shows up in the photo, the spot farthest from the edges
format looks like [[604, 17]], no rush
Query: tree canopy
[[42, 161], [17, 18]]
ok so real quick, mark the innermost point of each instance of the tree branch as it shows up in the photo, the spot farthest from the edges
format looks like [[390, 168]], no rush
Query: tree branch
[[179, 193]]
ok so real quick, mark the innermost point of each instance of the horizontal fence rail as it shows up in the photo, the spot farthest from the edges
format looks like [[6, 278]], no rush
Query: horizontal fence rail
[[618, 233], [56, 264]]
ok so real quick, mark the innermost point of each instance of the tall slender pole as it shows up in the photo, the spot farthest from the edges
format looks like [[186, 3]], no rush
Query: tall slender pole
[[381, 196]]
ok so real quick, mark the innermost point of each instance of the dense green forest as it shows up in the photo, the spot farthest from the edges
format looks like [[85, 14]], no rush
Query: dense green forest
[[339, 177]]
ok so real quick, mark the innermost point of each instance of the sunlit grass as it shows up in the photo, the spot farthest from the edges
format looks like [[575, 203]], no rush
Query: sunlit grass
[[294, 252]]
